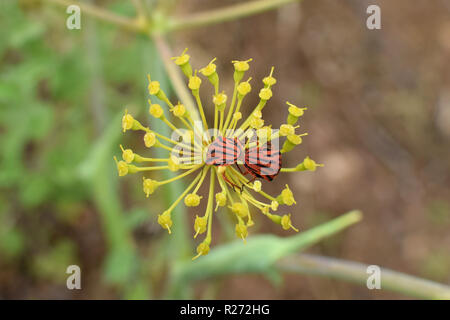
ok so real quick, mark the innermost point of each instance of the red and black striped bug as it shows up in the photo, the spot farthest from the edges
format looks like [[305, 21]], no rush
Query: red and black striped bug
[[261, 162], [225, 152]]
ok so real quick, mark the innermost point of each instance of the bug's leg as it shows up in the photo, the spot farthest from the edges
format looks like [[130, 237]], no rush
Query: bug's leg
[[243, 173], [229, 181], [240, 170], [253, 179], [246, 184], [241, 189]]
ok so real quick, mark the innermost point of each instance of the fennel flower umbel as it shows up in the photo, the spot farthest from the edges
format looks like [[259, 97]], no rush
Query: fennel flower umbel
[[191, 152]]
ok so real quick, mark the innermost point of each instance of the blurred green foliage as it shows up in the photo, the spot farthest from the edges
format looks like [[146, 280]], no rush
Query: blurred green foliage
[[53, 165], [436, 265]]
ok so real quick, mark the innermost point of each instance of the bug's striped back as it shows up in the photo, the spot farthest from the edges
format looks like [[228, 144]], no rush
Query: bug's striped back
[[224, 151], [263, 162]]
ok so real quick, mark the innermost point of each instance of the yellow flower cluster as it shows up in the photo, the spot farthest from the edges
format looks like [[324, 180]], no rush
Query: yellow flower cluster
[[188, 155]]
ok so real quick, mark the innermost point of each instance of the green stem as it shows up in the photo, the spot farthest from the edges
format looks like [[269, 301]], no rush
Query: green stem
[[308, 238], [357, 273], [140, 22], [226, 14], [209, 207], [178, 245], [260, 253], [230, 111]]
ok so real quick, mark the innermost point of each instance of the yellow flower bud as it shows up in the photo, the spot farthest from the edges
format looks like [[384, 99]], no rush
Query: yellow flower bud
[[221, 199], [243, 89], [286, 130], [150, 139], [165, 220], [210, 72], [269, 81], [192, 200], [249, 134], [127, 121], [286, 197], [156, 111], [257, 186], [257, 114], [179, 110], [209, 69], [295, 139], [237, 116], [149, 186], [239, 68], [294, 113], [256, 122], [241, 231], [308, 164], [154, 87], [264, 133], [194, 83], [202, 249], [274, 205], [265, 94], [127, 155], [183, 59], [220, 100], [240, 209], [173, 163], [122, 168], [292, 141], [286, 223], [183, 62], [200, 225]]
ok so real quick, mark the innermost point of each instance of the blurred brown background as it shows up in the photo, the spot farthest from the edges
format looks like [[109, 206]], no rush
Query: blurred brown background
[[378, 118]]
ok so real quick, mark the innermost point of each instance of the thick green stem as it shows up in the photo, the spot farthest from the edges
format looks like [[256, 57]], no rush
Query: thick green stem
[[140, 23], [357, 273], [226, 14], [305, 239], [260, 252]]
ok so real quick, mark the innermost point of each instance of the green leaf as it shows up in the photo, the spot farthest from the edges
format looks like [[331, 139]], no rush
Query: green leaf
[[260, 252]]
